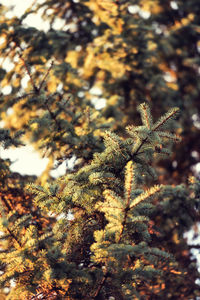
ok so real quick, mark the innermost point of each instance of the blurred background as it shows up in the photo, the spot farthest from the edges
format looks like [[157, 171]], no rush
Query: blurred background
[[99, 60]]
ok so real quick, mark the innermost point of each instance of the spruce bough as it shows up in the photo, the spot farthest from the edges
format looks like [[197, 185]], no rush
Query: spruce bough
[[106, 247], [52, 239]]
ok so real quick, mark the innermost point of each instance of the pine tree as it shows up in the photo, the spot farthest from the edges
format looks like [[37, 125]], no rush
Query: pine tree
[[112, 227]]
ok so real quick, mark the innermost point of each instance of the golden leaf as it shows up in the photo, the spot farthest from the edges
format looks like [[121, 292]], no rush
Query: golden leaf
[[51, 85]]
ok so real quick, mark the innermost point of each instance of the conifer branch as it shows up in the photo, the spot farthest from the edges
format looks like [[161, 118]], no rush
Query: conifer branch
[[171, 113], [52, 115], [24, 96], [128, 187], [113, 207], [105, 249], [114, 142], [45, 76], [3, 199], [146, 114], [123, 223], [129, 180], [145, 195], [13, 236], [140, 146], [112, 197], [174, 137], [35, 88], [148, 133]]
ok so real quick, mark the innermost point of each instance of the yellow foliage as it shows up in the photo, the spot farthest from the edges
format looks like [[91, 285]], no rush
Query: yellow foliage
[[19, 67], [152, 6], [19, 118], [89, 64], [173, 86], [72, 58], [3, 41], [175, 272], [106, 11], [191, 17], [134, 50], [72, 79], [16, 82], [109, 5], [52, 84], [183, 22], [4, 82], [151, 46], [113, 100], [111, 64], [175, 238], [79, 130], [105, 61], [34, 126]]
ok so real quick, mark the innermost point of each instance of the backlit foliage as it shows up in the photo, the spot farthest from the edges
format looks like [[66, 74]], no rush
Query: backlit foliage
[[113, 225]]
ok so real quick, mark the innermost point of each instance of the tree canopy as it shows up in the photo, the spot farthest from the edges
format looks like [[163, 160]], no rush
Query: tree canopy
[[114, 84]]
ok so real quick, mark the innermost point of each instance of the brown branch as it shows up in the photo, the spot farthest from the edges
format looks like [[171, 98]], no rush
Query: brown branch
[[45, 76], [124, 222], [101, 284], [6, 203], [194, 246], [139, 147], [14, 237], [35, 88], [8, 206]]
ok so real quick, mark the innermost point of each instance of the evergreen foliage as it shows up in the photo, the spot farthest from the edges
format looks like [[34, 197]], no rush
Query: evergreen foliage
[[112, 227]]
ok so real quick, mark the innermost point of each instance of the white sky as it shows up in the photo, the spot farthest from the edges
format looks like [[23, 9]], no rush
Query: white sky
[[19, 6], [26, 160]]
